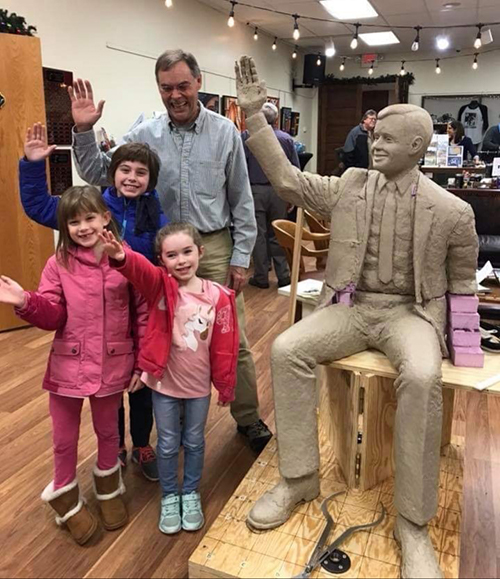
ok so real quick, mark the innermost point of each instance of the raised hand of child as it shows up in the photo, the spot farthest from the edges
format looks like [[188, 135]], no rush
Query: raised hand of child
[[135, 384], [111, 245], [35, 145], [11, 292], [85, 113]]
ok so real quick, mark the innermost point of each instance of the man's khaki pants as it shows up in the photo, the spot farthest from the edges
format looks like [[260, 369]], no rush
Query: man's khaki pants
[[215, 266], [388, 324]]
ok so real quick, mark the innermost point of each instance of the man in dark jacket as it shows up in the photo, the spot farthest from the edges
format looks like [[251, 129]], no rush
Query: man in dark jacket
[[491, 141], [356, 148]]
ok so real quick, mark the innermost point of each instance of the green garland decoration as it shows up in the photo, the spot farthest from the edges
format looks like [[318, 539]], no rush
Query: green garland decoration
[[386, 78], [14, 24]]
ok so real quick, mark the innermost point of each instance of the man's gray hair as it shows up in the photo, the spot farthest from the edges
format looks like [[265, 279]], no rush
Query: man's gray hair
[[170, 58], [369, 113], [270, 111]]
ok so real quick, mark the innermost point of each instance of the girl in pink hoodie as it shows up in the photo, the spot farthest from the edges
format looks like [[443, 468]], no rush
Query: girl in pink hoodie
[[99, 320]]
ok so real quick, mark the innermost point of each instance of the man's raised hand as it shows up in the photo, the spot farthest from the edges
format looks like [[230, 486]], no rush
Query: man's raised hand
[[85, 113], [111, 245], [35, 144], [252, 93]]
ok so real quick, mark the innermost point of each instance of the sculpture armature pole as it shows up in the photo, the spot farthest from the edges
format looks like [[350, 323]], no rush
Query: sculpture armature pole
[[399, 244]]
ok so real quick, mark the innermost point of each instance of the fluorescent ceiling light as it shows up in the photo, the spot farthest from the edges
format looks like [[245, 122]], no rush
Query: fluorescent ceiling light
[[349, 9], [379, 38]]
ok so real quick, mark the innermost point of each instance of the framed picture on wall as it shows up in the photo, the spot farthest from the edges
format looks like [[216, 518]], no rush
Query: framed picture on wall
[[294, 129], [286, 119], [232, 110], [210, 101]]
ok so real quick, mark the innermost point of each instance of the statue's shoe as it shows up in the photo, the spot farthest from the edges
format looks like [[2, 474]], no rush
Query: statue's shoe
[[275, 506], [418, 558]]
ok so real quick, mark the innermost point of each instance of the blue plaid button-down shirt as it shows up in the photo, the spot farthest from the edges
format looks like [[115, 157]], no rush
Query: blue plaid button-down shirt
[[203, 177]]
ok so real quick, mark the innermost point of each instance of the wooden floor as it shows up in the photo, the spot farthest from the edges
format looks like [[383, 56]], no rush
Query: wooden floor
[[33, 546]]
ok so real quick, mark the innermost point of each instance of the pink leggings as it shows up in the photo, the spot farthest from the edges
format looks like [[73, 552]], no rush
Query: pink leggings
[[65, 413]]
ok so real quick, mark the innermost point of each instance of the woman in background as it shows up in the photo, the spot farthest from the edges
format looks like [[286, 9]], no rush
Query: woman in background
[[457, 136]]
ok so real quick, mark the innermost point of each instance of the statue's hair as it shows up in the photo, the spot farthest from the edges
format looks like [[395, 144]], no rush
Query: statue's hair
[[418, 121]]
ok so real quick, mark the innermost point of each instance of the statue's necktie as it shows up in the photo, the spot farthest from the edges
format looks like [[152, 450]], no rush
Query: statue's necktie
[[387, 228]]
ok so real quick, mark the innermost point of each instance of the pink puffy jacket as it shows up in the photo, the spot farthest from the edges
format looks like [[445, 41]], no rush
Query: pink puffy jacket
[[99, 321]]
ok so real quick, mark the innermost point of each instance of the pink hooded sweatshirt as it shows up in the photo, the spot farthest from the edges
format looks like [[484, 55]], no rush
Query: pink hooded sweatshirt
[[99, 320]]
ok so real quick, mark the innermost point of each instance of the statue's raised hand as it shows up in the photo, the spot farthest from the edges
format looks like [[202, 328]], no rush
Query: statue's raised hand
[[85, 113], [252, 93], [35, 144]]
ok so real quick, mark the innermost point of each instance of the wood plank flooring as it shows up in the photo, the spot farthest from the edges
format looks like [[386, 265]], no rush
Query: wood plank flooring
[[33, 546]]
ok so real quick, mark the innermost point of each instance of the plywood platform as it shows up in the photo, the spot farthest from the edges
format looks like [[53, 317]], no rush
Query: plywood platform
[[230, 549]]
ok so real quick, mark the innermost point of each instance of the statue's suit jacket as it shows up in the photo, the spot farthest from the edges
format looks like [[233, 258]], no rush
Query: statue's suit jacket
[[445, 242]]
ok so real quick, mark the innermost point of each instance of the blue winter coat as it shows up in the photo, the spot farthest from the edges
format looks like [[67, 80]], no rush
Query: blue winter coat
[[41, 207]]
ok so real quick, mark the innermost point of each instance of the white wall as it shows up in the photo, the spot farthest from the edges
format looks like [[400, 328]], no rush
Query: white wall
[[457, 76], [76, 35]]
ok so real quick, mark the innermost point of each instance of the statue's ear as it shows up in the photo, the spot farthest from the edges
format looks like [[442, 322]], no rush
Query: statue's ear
[[417, 144]]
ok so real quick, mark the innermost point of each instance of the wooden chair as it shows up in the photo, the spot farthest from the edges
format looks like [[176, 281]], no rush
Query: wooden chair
[[318, 225], [285, 234]]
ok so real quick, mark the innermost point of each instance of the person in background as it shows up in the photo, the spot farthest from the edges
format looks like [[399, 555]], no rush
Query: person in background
[[457, 136], [268, 207], [491, 141], [99, 322], [191, 342], [203, 180], [356, 151], [134, 205]]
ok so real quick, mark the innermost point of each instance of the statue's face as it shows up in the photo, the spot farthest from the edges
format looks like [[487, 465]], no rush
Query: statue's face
[[394, 150]]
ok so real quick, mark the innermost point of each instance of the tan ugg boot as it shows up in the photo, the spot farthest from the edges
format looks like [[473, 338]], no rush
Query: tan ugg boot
[[109, 487], [71, 510]]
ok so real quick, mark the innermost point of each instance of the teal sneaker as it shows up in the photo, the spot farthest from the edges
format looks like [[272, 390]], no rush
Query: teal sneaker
[[170, 514], [192, 515]]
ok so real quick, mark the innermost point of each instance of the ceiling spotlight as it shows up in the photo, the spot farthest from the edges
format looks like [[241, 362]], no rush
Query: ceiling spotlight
[[438, 68], [370, 72], [275, 45], [296, 31], [169, 3], [442, 43], [294, 53], [354, 41], [230, 20], [478, 42], [330, 49], [475, 64], [318, 62], [402, 72], [256, 34], [342, 65], [416, 43]]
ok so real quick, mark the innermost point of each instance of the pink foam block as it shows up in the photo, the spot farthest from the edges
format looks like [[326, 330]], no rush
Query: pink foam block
[[468, 357], [460, 321], [464, 338], [463, 304]]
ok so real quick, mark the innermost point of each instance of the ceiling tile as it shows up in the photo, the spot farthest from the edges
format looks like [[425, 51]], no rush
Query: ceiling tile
[[387, 7]]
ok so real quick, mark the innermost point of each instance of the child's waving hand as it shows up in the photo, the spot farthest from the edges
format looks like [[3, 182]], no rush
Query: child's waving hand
[[112, 246], [35, 145], [11, 292]]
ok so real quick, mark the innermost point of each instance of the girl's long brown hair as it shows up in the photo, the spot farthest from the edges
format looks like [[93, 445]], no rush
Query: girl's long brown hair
[[74, 201]]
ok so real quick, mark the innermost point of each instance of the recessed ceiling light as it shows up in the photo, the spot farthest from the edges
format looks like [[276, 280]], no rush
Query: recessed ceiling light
[[353, 9], [450, 5], [442, 42], [379, 38]]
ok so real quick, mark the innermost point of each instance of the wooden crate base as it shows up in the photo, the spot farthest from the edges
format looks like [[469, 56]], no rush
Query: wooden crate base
[[230, 549]]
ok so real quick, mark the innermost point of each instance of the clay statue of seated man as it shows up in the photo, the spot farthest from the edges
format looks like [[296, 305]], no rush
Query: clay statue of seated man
[[399, 244]]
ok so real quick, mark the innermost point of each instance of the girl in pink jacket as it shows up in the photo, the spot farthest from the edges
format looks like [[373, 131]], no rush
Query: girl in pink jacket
[[99, 320], [191, 341]]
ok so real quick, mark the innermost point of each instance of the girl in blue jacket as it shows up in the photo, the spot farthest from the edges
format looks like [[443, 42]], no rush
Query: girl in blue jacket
[[134, 204]]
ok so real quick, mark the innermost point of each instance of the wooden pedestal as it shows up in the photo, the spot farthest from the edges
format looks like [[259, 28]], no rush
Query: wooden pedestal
[[357, 411]]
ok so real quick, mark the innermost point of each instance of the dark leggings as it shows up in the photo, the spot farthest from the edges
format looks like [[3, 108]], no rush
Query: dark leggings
[[141, 417]]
